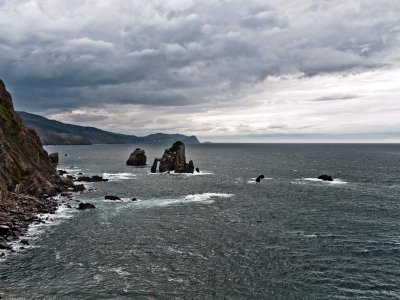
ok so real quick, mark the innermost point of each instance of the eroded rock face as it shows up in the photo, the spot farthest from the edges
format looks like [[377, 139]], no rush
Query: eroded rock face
[[137, 158], [25, 165], [174, 159], [154, 166], [27, 176], [54, 158]]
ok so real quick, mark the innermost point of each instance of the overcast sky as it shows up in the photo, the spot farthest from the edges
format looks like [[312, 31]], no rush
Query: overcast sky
[[224, 70]]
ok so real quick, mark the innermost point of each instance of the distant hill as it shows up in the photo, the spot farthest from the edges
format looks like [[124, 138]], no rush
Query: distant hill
[[53, 132]]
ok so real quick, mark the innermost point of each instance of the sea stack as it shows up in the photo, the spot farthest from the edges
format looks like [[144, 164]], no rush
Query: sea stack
[[137, 158], [174, 159]]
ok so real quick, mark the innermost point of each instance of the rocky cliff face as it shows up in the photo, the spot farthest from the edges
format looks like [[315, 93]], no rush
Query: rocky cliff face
[[27, 176], [25, 167]]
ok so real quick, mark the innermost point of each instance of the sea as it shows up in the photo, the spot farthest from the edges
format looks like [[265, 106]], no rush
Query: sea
[[218, 234]]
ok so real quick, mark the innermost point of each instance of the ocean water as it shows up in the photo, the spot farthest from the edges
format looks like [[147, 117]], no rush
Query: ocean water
[[218, 234]]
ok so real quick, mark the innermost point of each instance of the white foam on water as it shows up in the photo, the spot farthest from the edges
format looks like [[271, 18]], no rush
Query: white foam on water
[[123, 200], [118, 176], [70, 169], [35, 229], [253, 180], [61, 214], [120, 271], [201, 173], [206, 198], [335, 181]]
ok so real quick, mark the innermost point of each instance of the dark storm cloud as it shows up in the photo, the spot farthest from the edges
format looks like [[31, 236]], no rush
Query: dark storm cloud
[[68, 54]]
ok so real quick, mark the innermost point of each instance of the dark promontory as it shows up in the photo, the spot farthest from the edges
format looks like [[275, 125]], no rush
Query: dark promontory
[[27, 176]]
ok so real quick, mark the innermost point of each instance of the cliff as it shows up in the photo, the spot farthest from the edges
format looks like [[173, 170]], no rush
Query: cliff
[[27, 176]]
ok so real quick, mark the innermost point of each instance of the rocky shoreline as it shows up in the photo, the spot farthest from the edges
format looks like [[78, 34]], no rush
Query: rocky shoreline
[[28, 176]]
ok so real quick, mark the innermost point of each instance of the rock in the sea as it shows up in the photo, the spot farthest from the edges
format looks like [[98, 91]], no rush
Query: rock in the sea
[[174, 159], [94, 178], [133, 199], [325, 177], [197, 170], [62, 172], [84, 206], [108, 197], [4, 244], [137, 158], [79, 188], [54, 158], [154, 166], [24, 242], [258, 179], [4, 230]]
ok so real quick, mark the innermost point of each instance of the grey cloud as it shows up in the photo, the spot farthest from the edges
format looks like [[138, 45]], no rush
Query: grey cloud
[[68, 54], [84, 118]]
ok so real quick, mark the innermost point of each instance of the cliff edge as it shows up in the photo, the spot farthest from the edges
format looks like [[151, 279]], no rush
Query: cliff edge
[[27, 176]]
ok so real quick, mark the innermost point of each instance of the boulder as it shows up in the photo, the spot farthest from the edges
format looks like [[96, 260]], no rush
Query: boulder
[[54, 158], [137, 158], [24, 242], [258, 179], [4, 230], [108, 197], [83, 206], [325, 177], [4, 244], [94, 178], [197, 170], [79, 188], [174, 159]]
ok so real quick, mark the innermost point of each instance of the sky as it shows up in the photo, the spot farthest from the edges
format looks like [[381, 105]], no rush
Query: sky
[[223, 70]]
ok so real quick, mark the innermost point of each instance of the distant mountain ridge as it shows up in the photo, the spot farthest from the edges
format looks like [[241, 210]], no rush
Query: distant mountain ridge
[[52, 132]]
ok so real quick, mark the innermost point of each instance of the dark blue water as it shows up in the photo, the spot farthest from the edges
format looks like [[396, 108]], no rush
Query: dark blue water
[[218, 235]]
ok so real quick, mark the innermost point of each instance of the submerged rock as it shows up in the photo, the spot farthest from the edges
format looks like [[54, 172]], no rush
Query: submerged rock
[[94, 178], [108, 197], [83, 206], [4, 244], [137, 158], [24, 242], [62, 172], [325, 177]]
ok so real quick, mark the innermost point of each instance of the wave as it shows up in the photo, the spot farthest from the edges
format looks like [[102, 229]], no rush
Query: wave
[[205, 198], [34, 230], [118, 176], [304, 181], [253, 180], [335, 181], [122, 200], [201, 173]]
